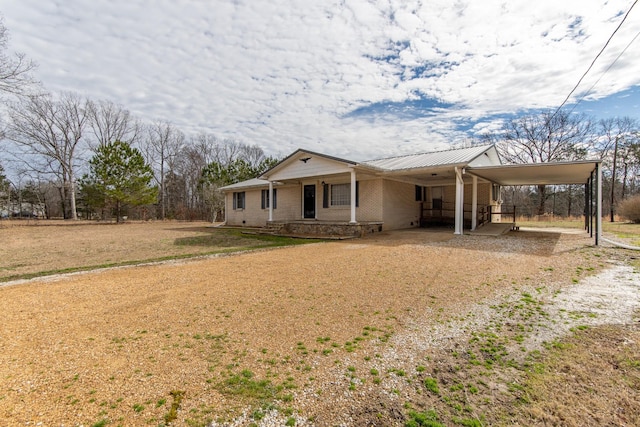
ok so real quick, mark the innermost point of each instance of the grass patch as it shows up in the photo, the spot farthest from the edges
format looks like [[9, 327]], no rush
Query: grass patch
[[592, 378], [426, 419], [239, 240], [244, 385], [177, 396], [221, 242], [431, 384]]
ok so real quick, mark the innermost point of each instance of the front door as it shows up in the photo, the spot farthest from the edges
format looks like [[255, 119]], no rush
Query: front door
[[310, 201]]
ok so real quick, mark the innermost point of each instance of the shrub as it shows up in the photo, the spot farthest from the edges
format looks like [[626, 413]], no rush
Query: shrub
[[630, 209]]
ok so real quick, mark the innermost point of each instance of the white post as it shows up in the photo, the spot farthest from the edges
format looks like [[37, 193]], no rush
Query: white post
[[459, 208], [270, 201], [599, 205], [353, 197], [474, 203], [226, 208]]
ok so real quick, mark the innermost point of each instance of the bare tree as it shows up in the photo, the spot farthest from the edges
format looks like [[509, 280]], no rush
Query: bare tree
[[545, 138], [110, 122], [49, 133], [15, 69], [187, 170], [616, 145], [163, 142]]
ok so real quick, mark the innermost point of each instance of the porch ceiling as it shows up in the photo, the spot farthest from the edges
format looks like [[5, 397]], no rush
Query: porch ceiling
[[560, 173]]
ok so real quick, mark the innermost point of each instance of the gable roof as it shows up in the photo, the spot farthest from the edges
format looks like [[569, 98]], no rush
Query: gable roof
[[471, 156], [301, 154]]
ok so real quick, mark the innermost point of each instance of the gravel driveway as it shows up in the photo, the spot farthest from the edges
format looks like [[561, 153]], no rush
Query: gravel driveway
[[316, 320]]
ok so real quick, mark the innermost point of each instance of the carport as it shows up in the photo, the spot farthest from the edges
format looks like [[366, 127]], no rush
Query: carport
[[587, 173]]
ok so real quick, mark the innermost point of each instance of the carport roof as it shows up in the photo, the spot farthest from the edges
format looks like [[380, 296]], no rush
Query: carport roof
[[559, 173]]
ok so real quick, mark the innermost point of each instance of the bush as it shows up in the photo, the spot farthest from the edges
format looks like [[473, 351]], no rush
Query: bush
[[630, 209]]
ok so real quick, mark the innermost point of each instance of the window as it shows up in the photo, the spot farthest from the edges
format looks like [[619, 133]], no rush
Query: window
[[420, 196], [436, 198], [238, 200], [338, 194], [265, 199]]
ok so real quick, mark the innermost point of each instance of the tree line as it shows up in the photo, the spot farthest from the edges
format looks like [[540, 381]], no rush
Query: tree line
[[74, 156], [558, 136], [93, 159]]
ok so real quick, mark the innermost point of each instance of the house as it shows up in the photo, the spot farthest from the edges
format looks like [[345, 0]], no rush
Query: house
[[317, 194]]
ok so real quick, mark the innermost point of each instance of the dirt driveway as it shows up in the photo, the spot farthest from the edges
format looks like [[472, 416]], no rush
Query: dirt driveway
[[337, 333]]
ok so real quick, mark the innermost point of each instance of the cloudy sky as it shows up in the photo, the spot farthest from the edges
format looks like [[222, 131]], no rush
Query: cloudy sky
[[358, 79]]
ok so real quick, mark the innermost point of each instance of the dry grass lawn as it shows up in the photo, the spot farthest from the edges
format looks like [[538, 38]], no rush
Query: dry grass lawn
[[335, 333], [32, 247]]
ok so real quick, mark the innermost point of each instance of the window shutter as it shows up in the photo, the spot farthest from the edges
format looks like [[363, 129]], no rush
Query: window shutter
[[263, 202], [275, 198], [325, 196], [357, 193], [235, 201]]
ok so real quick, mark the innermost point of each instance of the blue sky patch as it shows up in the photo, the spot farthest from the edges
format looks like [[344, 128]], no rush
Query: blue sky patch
[[624, 103], [406, 110]]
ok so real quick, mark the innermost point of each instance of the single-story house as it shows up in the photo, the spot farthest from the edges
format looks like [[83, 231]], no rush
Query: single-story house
[[313, 193]]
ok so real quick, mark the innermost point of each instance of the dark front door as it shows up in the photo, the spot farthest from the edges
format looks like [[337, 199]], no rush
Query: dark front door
[[309, 201]]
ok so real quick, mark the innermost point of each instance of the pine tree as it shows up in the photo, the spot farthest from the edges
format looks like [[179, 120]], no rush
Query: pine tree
[[118, 177]]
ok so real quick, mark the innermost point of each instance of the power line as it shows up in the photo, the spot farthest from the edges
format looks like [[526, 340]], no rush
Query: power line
[[605, 72], [594, 60]]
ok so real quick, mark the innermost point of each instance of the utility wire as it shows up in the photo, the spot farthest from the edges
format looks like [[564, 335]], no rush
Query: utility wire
[[594, 60], [605, 72]]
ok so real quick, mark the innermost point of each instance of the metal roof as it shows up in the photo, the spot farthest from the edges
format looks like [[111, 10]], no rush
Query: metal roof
[[460, 156], [254, 182], [559, 173]]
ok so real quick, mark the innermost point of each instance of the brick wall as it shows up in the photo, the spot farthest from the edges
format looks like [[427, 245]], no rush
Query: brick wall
[[369, 206], [390, 202], [288, 203], [400, 207]]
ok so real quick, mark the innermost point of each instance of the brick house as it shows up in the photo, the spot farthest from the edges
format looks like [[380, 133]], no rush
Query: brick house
[[316, 194]]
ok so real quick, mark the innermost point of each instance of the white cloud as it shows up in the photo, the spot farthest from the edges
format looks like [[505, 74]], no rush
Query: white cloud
[[286, 74]]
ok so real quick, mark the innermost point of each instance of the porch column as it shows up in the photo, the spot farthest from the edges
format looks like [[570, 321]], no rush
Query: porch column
[[591, 205], [270, 201], [226, 209], [474, 203], [353, 197], [599, 204], [459, 211]]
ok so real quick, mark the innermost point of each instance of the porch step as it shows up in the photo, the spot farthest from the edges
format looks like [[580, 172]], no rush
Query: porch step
[[273, 228]]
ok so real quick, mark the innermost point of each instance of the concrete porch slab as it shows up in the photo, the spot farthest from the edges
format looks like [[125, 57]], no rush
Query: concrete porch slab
[[493, 229]]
